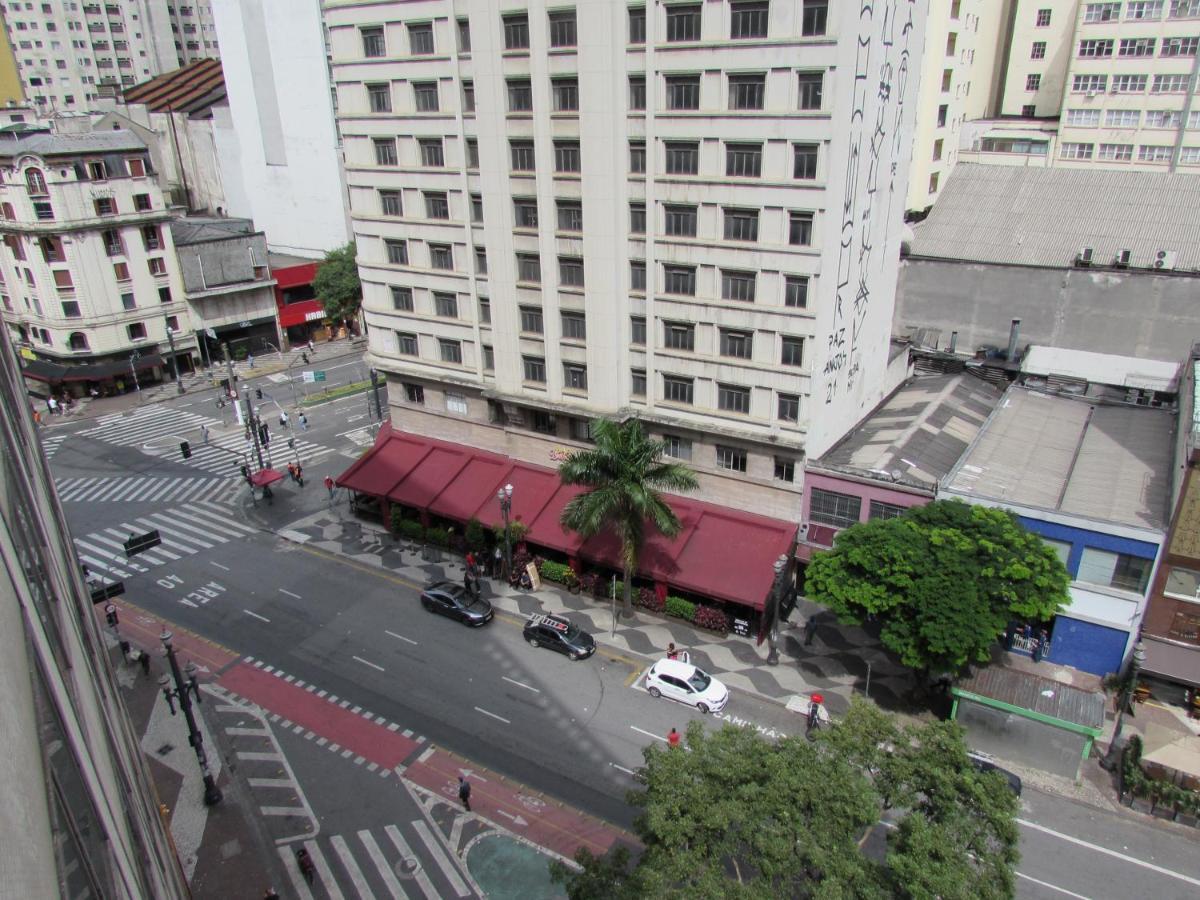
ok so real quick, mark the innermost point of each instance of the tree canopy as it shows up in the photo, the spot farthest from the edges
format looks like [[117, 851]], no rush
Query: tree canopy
[[336, 283], [736, 815], [943, 580], [624, 473]]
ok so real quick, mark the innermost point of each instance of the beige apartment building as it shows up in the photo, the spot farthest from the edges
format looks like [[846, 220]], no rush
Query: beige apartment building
[[682, 212]]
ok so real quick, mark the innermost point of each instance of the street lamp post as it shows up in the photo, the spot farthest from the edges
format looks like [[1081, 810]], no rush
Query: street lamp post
[[1112, 758], [504, 495], [183, 692], [174, 360], [133, 358], [777, 590]]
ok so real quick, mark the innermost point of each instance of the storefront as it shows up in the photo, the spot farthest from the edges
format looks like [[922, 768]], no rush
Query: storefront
[[108, 377], [301, 315]]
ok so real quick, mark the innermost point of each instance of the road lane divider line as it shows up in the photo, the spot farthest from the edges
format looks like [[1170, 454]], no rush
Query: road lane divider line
[[1124, 857], [401, 637], [629, 772], [342, 849], [657, 737], [1053, 887], [219, 566], [493, 715], [256, 616], [406, 852], [290, 594], [521, 684], [441, 858], [366, 663]]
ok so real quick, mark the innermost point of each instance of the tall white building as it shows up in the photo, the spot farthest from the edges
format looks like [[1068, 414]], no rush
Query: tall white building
[[687, 212], [71, 53]]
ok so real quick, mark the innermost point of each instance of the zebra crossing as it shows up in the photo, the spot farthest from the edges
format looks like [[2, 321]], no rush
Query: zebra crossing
[[146, 490], [159, 430], [51, 443], [186, 531], [370, 864]]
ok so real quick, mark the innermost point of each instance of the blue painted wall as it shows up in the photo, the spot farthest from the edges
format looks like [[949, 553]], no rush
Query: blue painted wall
[[1086, 646], [1079, 538]]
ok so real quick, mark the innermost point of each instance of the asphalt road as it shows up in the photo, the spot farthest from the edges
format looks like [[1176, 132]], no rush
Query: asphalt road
[[573, 730]]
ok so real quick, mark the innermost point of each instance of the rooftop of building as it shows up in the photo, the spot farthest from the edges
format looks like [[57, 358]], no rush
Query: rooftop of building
[[916, 435], [1101, 461], [1047, 216], [201, 229], [17, 141], [287, 261], [1102, 368], [193, 89]]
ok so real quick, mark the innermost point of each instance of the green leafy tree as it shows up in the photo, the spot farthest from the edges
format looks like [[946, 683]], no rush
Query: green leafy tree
[[736, 815], [944, 580], [624, 474], [336, 283]]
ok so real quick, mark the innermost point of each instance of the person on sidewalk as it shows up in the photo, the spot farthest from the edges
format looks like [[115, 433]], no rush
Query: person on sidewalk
[[311, 348], [673, 738], [464, 793], [304, 861], [51, 404], [329, 485], [283, 419], [810, 630], [250, 360], [303, 420], [204, 433]]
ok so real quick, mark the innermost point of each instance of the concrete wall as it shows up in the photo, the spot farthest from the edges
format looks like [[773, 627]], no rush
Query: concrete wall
[[1153, 316]]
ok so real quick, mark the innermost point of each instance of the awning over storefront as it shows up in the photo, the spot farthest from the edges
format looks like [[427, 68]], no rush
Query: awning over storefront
[[1173, 661], [45, 370], [718, 552]]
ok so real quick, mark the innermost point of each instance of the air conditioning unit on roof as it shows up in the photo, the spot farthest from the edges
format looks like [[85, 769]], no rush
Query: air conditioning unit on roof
[[1123, 259], [1164, 259], [1085, 257]]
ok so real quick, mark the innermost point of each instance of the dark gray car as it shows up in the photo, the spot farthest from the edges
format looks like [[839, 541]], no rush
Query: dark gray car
[[452, 600]]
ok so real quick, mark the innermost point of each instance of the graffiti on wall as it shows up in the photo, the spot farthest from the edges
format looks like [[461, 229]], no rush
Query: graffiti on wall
[[874, 152]]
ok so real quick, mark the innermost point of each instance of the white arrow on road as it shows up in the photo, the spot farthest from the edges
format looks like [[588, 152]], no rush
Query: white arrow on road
[[516, 820]]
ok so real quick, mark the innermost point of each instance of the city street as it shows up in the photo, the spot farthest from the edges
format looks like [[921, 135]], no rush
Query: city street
[[293, 615]]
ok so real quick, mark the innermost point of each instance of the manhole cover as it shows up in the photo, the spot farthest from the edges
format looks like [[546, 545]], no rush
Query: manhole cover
[[406, 868]]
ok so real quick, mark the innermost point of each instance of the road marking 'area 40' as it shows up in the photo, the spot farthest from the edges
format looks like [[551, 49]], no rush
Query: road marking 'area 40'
[[198, 597], [771, 733]]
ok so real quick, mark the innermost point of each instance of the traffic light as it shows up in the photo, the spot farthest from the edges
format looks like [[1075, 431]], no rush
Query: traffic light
[[186, 449], [258, 393], [110, 615]]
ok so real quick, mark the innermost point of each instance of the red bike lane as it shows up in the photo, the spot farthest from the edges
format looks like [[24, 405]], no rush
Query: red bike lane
[[143, 631]]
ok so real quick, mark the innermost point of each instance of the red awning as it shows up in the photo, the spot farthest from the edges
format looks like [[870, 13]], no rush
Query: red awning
[[533, 487], [263, 477], [380, 470], [731, 554], [475, 487], [432, 475]]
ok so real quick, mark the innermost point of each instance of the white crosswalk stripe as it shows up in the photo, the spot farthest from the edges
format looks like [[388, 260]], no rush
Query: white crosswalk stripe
[[51, 444], [147, 489], [186, 530], [160, 430]]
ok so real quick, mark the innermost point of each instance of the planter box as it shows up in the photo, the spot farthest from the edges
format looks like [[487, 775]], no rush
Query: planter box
[[1140, 804]]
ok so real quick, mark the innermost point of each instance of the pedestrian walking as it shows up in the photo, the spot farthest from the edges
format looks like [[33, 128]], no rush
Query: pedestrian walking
[[204, 433], [250, 360], [37, 417], [144, 662], [673, 738], [304, 861], [672, 653], [464, 793], [814, 713], [497, 563], [303, 420], [51, 404], [283, 419], [311, 349], [810, 630], [329, 485]]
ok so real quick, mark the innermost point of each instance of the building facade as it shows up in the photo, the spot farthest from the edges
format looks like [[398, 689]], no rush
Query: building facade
[[71, 54], [80, 817], [689, 213], [91, 286]]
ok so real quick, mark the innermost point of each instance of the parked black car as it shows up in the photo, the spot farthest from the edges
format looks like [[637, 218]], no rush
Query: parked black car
[[556, 633], [452, 600]]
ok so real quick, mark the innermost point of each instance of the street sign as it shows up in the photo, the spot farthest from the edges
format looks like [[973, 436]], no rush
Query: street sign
[[139, 543], [107, 591], [319, 375], [310, 375]]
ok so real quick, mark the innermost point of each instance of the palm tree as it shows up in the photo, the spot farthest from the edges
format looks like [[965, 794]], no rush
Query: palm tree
[[624, 472]]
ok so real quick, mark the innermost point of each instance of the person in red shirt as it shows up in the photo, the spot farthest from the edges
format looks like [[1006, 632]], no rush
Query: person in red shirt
[[673, 738]]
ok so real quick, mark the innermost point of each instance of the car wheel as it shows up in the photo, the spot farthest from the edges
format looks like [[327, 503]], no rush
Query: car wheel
[[533, 642], [654, 692], [703, 707], [575, 656]]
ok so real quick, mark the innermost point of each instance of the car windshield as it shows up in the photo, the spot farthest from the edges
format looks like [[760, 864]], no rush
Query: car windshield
[[700, 681], [572, 633]]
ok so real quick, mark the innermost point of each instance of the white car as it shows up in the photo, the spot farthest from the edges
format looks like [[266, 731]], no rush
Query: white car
[[684, 682]]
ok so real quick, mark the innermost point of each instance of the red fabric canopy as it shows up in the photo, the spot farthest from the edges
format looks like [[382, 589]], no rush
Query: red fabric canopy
[[263, 477], [718, 552]]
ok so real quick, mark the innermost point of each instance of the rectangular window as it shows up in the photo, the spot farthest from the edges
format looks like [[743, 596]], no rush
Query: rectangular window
[[677, 447], [1116, 152], [738, 344], [1101, 12], [682, 158], [1137, 47], [683, 23], [128, 302], [489, 358], [574, 326], [1182, 9], [531, 320], [1154, 153], [1162, 118], [389, 203], [637, 92], [414, 393], [637, 275], [477, 209], [105, 206], [679, 280], [1038, 50], [637, 157], [566, 94], [815, 15], [425, 96], [97, 171], [679, 221], [637, 330], [1033, 82], [743, 160], [637, 25], [472, 153], [733, 398], [683, 92], [812, 90], [732, 458], [574, 377], [543, 421], [677, 389], [1125, 118], [420, 39], [1083, 118], [570, 215], [70, 309], [480, 261], [1115, 570], [741, 224], [468, 89], [516, 32], [62, 280], [804, 161], [529, 268], [485, 311], [570, 271], [464, 36], [637, 218], [372, 42], [1179, 46], [1089, 83], [522, 155], [385, 151], [141, 202], [943, 112], [534, 369], [748, 20], [437, 206], [785, 469], [121, 271], [432, 155], [1043, 18], [520, 95], [525, 212], [792, 352], [136, 331], [637, 382], [747, 91], [397, 251], [402, 299], [800, 228], [788, 409], [164, 295], [1129, 84], [566, 156], [445, 305], [1075, 150], [450, 351], [156, 265], [441, 256], [1169, 84], [1095, 49], [880, 510], [796, 291], [679, 336], [379, 98], [562, 28], [832, 508], [739, 286]]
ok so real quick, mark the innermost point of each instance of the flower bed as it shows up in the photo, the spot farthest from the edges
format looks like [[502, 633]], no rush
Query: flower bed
[[1163, 796]]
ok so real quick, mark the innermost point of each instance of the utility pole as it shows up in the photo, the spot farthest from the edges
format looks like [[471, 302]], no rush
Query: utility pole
[[183, 692], [375, 390], [174, 361], [133, 358]]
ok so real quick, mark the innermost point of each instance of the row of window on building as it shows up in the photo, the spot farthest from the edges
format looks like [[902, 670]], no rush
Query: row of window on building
[[1120, 84], [1146, 153], [1135, 11], [748, 19], [1130, 118], [1103, 48]]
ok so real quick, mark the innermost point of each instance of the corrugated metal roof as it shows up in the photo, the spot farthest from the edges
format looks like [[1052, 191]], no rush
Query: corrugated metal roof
[[1044, 217], [197, 229], [47, 144], [1042, 695], [194, 88], [1107, 462], [917, 435]]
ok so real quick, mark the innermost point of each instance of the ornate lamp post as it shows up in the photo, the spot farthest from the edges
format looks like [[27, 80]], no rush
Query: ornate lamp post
[[504, 495], [1112, 757], [183, 692], [778, 588]]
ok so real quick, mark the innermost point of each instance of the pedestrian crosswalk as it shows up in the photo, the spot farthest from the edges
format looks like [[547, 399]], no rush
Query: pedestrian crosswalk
[[184, 531], [159, 430], [147, 490], [377, 863], [51, 443]]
